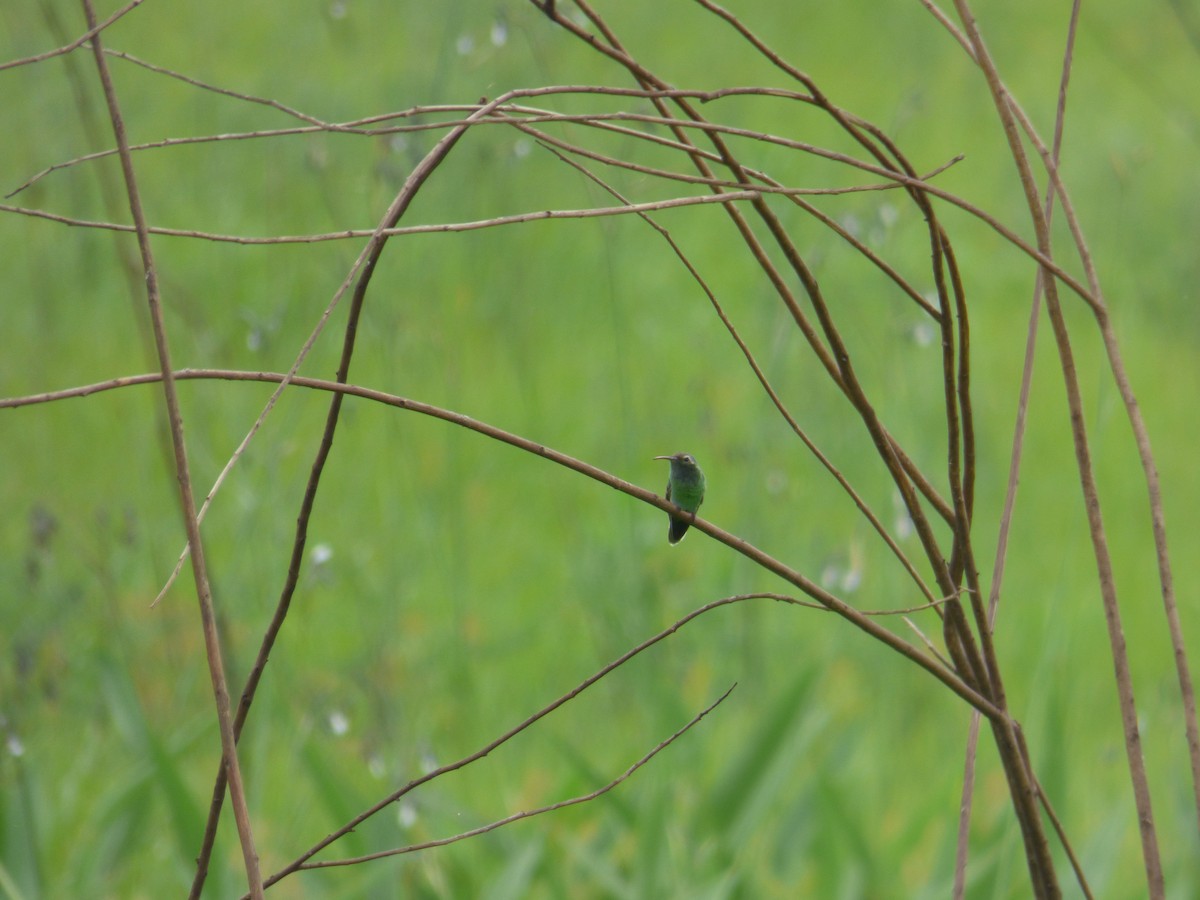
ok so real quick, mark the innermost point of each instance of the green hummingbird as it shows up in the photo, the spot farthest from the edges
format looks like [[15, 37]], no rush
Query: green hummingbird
[[685, 488]]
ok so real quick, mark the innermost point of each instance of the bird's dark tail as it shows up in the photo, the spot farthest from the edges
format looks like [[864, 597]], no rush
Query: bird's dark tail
[[678, 529]]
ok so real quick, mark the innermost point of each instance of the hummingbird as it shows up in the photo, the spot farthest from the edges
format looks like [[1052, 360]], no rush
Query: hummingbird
[[685, 488]]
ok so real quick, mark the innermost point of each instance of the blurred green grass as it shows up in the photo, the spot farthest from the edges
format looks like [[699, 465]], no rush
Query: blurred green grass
[[464, 585]]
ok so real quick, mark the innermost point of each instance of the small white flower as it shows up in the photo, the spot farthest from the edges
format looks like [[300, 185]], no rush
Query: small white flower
[[338, 723], [923, 333], [406, 814]]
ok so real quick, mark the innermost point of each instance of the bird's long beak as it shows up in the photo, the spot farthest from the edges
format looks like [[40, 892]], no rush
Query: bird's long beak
[[662, 457]]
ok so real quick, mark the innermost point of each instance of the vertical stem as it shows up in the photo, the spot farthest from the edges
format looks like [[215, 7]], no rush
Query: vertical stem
[[368, 259], [208, 619], [1112, 614]]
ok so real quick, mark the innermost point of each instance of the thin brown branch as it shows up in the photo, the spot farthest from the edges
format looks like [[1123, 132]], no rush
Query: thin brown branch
[[1010, 495], [497, 742], [1095, 300], [94, 29], [302, 861], [762, 183], [1056, 822], [227, 92], [1137, 770], [910, 181], [832, 352], [957, 634], [526, 814], [806, 585], [229, 762], [765, 383], [372, 252], [826, 346], [437, 228], [929, 644], [891, 161], [531, 115]]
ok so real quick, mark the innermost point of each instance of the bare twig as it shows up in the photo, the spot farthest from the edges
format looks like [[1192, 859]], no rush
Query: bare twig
[[371, 255], [1095, 301], [974, 673], [1112, 615], [526, 814], [776, 400], [973, 652], [960, 867], [302, 861], [229, 763], [809, 587], [94, 28]]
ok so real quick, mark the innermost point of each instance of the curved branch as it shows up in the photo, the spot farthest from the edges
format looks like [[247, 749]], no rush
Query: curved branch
[[507, 820], [806, 585]]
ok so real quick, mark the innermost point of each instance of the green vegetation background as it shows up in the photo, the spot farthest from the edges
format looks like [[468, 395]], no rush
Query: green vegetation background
[[454, 586]]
